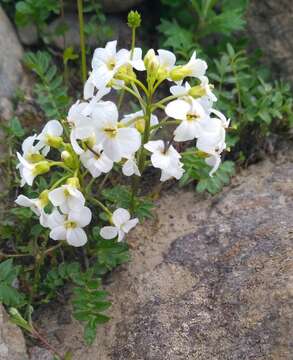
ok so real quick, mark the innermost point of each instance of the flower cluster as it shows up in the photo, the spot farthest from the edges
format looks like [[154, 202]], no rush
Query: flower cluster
[[95, 138]]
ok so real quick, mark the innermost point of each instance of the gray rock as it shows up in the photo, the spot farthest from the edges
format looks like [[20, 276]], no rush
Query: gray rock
[[28, 34], [38, 353], [210, 278], [113, 6], [12, 344], [10, 56], [118, 30], [270, 24], [6, 109]]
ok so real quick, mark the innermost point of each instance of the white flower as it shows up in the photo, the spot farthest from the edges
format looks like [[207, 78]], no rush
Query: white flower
[[107, 61], [82, 127], [117, 141], [31, 154], [196, 67], [67, 197], [191, 114], [130, 167], [52, 129], [28, 171], [36, 205], [166, 160], [122, 225], [96, 161], [70, 227], [212, 136]]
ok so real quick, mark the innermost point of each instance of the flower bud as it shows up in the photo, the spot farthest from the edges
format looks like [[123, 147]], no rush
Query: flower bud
[[34, 157], [140, 125], [124, 73], [74, 182], [179, 73], [67, 158], [133, 19], [197, 91], [54, 141], [151, 62], [44, 199], [41, 167]]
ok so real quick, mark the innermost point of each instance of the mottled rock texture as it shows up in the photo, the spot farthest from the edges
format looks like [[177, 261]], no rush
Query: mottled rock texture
[[10, 57], [211, 278], [12, 345], [270, 23]]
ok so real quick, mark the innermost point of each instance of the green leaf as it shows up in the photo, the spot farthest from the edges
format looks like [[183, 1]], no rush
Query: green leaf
[[15, 128]]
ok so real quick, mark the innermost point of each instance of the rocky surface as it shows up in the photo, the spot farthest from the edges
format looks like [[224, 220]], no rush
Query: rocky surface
[[12, 345], [118, 29], [10, 57], [211, 278], [270, 23]]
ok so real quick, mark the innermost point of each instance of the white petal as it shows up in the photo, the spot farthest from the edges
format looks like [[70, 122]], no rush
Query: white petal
[[101, 76], [58, 233], [82, 216], [54, 128], [112, 149], [161, 161], [120, 216], [106, 113], [187, 130], [88, 90], [129, 141], [55, 219], [121, 235], [76, 237], [177, 109], [57, 196], [155, 145], [167, 58], [111, 47], [129, 225], [214, 161], [23, 201], [130, 167], [109, 232]]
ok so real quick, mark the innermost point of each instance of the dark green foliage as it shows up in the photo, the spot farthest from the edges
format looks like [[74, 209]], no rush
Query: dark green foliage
[[197, 19], [9, 295], [89, 303], [37, 12], [196, 169], [121, 196], [51, 93], [245, 94]]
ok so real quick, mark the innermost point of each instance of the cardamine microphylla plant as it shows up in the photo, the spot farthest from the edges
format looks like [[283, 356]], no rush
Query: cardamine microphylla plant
[[95, 140]]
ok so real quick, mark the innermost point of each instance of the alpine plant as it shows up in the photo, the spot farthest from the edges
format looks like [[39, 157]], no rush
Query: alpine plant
[[95, 138]]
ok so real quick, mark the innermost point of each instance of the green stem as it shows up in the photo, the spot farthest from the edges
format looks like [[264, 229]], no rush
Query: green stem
[[161, 102], [82, 41], [102, 206], [132, 42]]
